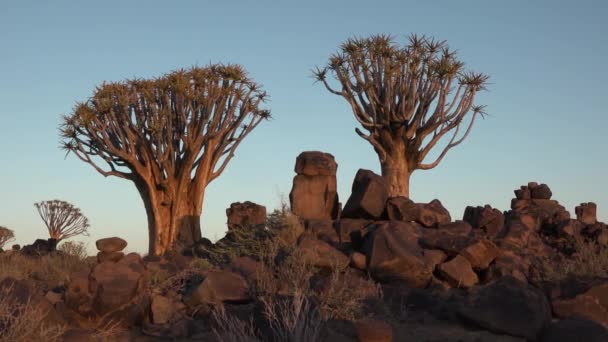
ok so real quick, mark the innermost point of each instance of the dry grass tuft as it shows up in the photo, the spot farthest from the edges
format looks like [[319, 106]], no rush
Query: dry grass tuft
[[51, 269], [25, 322], [589, 261]]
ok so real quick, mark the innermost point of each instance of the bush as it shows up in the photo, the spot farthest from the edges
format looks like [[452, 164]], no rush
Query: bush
[[74, 249], [52, 269], [589, 260], [6, 236]]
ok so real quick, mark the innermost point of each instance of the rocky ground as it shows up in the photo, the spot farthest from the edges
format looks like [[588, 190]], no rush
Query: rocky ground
[[380, 269]]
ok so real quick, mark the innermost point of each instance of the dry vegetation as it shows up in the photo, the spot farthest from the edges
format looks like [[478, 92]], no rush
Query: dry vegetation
[[589, 260]]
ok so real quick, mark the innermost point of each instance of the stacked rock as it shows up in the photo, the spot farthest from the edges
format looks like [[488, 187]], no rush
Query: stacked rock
[[314, 193], [110, 249], [246, 214], [535, 199]]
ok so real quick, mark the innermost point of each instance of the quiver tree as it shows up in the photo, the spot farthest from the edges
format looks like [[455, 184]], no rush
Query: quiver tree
[[6, 236], [171, 136], [62, 219], [406, 99]]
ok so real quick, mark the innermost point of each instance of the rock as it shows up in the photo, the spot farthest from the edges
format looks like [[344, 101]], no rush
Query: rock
[[490, 220], [586, 213], [113, 285], [393, 254], [451, 238], [602, 238], [323, 230], [357, 260], [320, 254], [349, 228], [581, 306], [432, 214], [109, 256], [314, 193], [315, 163], [523, 193], [250, 269], [574, 329], [111, 244], [162, 309], [53, 297], [434, 257], [517, 234], [78, 296], [40, 247], [480, 254], [541, 192], [220, 287], [507, 306], [373, 330], [401, 209], [570, 228], [592, 304], [246, 214], [368, 198], [458, 272], [16, 247]]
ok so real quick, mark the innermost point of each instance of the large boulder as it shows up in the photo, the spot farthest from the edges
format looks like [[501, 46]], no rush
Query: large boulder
[[246, 214], [393, 254], [111, 244], [323, 230], [314, 193], [507, 306], [480, 253], [592, 305], [368, 197]]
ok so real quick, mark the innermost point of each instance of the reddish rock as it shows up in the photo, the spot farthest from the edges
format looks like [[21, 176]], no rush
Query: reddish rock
[[321, 254], [247, 267], [368, 198], [523, 193], [162, 309], [480, 254], [315, 163], [432, 214], [112, 256], [490, 220], [246, 214], [357, 260], [314, 193], [113, 285], [458, 272], [220, 287], [541, 192], [434, 257], [373, 330], [393, 254], [451, 238], [570, 228], [323, 230], [347, 228], [584, 306], [586, 213], [110, 245], [401, 209]]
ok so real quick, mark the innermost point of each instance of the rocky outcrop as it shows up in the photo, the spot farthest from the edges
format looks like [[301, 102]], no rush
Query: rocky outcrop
[[246, 214], [314, 193], [368, 197]]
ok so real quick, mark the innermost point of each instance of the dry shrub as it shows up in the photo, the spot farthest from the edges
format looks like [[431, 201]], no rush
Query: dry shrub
[[76, 249], [293, 319], [589, 260], [342, 299], [25, 322], [50, 269], [231, 329]]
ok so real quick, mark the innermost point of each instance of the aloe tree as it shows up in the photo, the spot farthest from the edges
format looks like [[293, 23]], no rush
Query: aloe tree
[[171, 136], [6, 236], [406, 99], [62, 219]]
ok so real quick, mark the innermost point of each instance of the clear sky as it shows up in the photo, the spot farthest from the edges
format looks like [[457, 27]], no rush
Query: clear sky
[[547, 100]]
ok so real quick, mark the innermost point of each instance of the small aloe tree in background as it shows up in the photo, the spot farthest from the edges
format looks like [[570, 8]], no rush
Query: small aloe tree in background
[[6, 236], [62, 219], [406, 98]]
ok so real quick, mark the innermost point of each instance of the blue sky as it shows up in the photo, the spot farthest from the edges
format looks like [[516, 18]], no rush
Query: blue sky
[[547, 98]]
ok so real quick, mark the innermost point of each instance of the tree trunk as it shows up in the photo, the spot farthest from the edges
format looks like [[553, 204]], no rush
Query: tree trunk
[[171, 222], [396, 171]]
